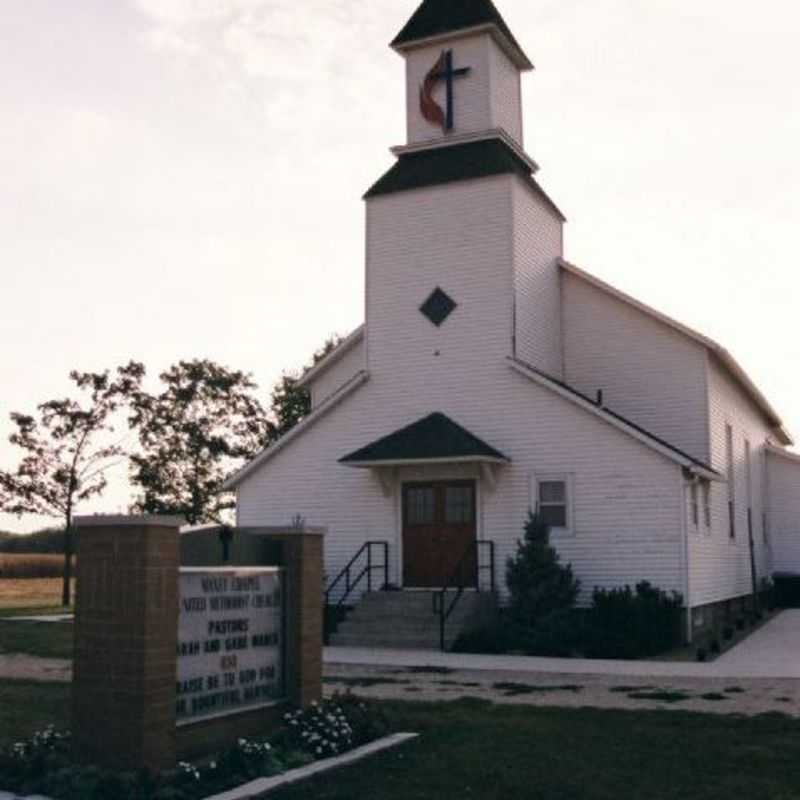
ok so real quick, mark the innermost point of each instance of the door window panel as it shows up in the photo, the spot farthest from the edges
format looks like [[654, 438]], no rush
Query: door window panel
[[420, 505], [458, 505]]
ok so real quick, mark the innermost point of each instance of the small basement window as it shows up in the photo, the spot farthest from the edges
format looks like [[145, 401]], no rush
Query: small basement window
[[553, 502]]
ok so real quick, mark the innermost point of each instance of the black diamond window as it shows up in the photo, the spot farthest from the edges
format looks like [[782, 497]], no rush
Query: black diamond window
[[438, 307]]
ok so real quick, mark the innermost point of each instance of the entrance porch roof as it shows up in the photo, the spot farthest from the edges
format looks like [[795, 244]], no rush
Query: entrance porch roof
[[434, 439]]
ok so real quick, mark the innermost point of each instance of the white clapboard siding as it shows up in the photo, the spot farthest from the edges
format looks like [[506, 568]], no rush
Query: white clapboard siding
[[627, 498], [506, 99], [720, 568], [335, 376], [648, 372], [473, 107], [456, 237], [488, 98], [538, 239], [783, 515]]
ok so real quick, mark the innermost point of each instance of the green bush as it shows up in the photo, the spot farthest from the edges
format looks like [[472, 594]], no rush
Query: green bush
[[537, 582], [627, 624], [491, 638]]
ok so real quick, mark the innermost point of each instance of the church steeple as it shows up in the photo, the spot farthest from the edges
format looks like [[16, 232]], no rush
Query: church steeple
[[463, 72], [436, 20]]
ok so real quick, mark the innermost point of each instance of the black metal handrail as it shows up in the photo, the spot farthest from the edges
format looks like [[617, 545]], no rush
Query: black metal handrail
[[458, 583], [332, 609]]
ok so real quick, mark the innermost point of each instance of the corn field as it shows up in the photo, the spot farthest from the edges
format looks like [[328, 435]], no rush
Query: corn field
[[21, 566]]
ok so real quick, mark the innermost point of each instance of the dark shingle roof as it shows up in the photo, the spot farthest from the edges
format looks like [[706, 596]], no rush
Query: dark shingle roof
[[458, 162], [434, 437], [436, 17]]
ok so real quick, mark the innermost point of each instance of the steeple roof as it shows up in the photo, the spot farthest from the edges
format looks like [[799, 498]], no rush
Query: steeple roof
[[438, 18]]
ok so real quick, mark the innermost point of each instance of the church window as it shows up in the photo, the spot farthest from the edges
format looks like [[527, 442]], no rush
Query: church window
[[731, 475], [552, 503], [420, 505], [438, 307], [707, 504]]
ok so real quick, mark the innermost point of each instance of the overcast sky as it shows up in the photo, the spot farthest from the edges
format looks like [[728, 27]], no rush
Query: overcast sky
[[182, 178]]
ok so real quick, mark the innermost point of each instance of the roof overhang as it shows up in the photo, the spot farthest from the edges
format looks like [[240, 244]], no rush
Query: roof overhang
[[423, 462], [467, 138], [344, 347], [779, 452], [329, 404], [434, 439]]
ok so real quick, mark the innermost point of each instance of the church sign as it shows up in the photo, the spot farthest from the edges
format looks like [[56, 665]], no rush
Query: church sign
[[230, 651]]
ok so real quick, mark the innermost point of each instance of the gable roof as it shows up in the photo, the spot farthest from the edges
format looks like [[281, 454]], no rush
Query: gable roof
[[437, 18], [431, 439], [616, 420], [325, 363], [459, 162], [358, 380], [723, 356]]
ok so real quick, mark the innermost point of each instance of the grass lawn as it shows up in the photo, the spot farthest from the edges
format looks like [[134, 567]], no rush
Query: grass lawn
[[471, 749], [45, 639], [26, 707]]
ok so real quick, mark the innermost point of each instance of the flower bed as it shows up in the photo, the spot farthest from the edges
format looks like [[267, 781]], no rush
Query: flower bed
[[42, 765]]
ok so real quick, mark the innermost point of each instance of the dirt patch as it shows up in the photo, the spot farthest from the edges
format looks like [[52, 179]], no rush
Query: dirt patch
[[511, 689], [661, 696], [16, 666]]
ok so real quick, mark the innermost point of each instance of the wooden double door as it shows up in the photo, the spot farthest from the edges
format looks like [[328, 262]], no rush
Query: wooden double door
[[439, 534]]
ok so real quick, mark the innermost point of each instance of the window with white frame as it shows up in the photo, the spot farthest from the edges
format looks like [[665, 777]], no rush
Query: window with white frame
[[694, 504], [706, 491], [553, 501], [731, 475]]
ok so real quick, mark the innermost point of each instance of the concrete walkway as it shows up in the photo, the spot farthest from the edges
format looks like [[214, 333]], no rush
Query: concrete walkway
[[771, 652]]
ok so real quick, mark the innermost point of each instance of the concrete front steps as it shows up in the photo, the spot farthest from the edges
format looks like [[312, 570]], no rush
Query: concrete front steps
[[406, 620]]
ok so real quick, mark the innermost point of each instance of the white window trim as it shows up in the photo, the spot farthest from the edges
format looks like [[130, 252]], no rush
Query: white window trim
[[568, 479]]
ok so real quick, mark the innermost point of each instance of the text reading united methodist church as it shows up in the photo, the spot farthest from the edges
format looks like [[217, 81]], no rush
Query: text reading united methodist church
[[491, 377]]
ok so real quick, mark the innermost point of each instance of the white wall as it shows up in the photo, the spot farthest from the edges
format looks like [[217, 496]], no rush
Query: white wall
[[457, 237], [648, 372], [488, 97], [626, 503], [506, 100], [538, 238], [720, 568], [335, 376], [783, 516]]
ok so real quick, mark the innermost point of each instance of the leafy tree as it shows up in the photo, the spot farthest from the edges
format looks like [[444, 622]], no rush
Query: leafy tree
[[205, 421], [537, 582], [65, 451], [290, 402]]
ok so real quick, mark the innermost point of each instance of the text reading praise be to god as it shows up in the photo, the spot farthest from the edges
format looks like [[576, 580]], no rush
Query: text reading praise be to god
[[230, 641]]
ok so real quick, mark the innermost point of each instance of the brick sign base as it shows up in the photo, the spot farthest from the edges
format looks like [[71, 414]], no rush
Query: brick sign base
[[126, 628]]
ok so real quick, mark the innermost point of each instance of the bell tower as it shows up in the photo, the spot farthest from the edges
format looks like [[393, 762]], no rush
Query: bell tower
[[462, 242], [463, 72]]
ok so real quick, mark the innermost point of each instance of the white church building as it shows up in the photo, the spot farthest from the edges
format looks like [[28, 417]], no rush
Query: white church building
[[491, 376]]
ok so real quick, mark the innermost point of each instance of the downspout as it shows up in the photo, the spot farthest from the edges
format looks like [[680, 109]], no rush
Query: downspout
[[685, 477]]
